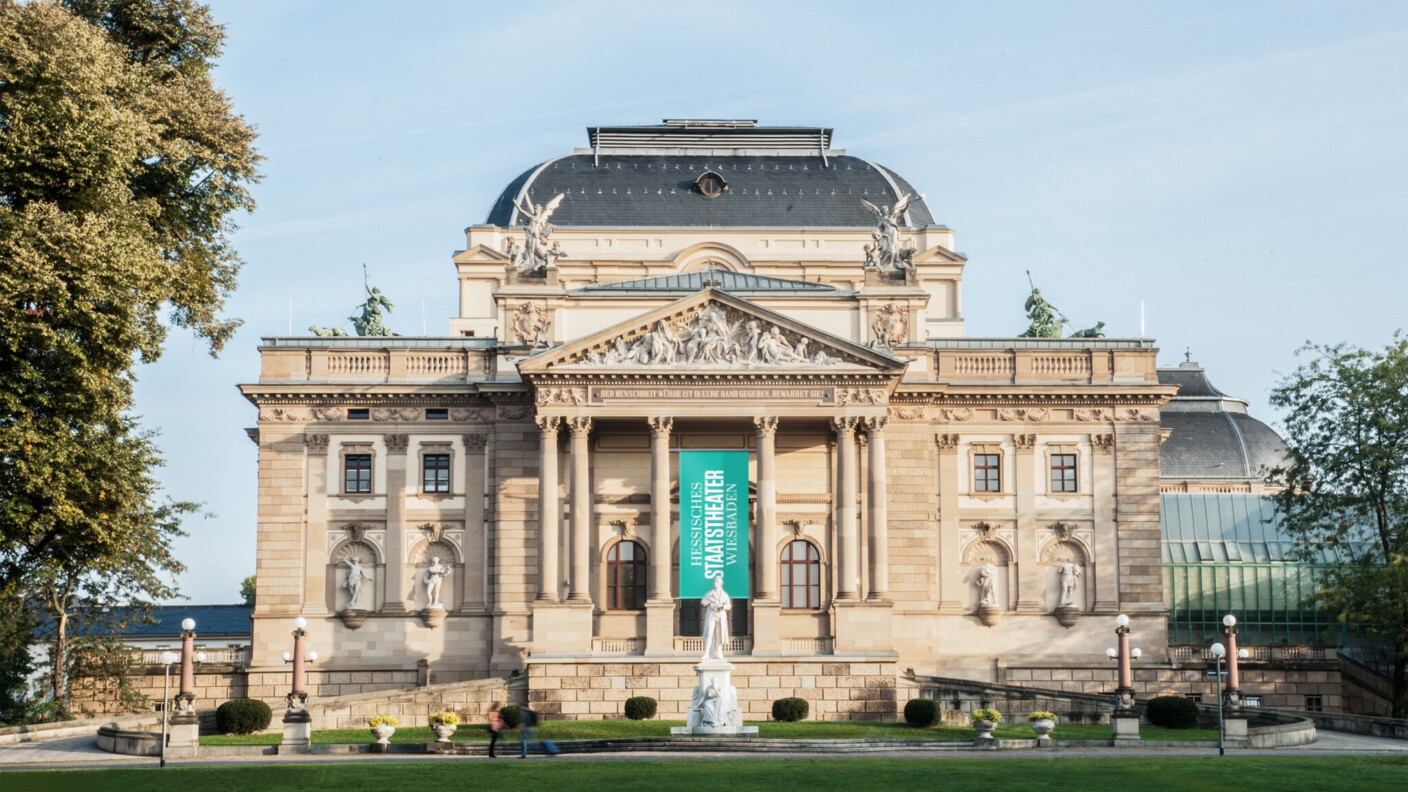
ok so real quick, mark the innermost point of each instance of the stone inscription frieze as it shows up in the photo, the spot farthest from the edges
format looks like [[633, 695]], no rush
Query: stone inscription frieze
[[601, 394]]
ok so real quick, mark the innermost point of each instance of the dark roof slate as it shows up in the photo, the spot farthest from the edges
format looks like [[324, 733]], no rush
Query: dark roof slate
[[658, 191], [1211, 435]]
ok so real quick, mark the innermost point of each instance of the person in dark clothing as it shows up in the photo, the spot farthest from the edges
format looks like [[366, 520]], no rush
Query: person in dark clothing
[[529, 723]]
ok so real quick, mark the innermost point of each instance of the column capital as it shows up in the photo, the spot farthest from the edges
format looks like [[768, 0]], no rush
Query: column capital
[[475, 443], [1104, 443], [316, 443], [397, 443], [579, 424], [661, 424], [876, 424], [845, 423], [1024, 442], [548, 424], [767, 425], [946, 442]]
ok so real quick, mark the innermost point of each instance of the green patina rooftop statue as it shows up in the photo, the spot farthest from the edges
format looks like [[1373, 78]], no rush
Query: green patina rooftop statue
[[1047, 322], [370, 322]]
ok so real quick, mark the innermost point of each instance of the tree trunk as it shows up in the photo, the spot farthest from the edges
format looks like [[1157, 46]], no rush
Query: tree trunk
[[57, 688], [1399, 688]]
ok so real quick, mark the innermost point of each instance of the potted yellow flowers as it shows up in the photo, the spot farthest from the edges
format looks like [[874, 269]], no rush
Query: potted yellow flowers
[[382, 726], [443, 723]]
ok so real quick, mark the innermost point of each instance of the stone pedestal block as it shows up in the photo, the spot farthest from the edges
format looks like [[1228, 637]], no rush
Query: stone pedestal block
[[863, 627], [1234, 729], [1126, 728], [562, 628], [184, 734], [767, 627], [714, 704], [298, 732], [659, 627]]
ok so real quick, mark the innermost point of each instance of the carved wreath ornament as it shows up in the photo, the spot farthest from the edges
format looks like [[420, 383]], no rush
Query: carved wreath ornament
[[716, 336]]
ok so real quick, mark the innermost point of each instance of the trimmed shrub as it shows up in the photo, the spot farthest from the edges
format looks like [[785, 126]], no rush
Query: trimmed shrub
[[512, 716], [242, 716], [1173, 712], [790, 709], [921, 712], [640, 707]]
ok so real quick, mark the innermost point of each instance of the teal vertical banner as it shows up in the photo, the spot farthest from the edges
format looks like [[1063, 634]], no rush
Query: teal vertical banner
[[714, 522]]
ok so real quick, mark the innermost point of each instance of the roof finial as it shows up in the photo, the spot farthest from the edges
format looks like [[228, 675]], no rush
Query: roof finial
[[1188, 354]]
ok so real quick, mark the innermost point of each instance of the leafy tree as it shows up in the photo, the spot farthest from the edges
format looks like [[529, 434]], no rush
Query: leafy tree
[[247, 590], [1346, 485], [16, 635]]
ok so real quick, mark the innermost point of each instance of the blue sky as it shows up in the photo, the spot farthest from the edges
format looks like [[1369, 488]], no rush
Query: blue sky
[[1241, 168]]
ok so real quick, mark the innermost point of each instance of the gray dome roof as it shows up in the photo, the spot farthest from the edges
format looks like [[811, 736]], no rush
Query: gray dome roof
[[776, 177], [1211, 435]]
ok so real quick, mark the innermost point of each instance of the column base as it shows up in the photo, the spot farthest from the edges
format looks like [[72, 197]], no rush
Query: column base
[[184, 735], [564, 628], [298, 731], [1234, 729], [862, 627], [659, 628], [1126, 728]]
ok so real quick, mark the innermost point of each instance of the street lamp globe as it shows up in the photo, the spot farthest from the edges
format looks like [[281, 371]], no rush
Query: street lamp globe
[[200, 657], [1229, 620], [288, 657], [300, 623], [167, 658], [1111, 653], [1243, 654], [1122, 620], [1218, 650], [188, 624], [312, 657], [1136, 652]]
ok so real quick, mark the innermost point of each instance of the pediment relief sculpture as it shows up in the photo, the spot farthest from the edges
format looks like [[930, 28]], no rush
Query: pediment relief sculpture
[[716, 336]]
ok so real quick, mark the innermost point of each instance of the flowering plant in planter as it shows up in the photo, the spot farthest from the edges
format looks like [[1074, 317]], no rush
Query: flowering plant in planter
[[1041, 715], [444, 718], [987, 714], [383, 720]]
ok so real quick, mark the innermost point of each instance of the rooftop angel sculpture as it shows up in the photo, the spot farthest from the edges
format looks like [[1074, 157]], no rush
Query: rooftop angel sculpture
[[536, 254], [884, 252]]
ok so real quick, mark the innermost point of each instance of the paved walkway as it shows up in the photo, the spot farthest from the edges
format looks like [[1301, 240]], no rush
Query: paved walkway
[[79, 752]]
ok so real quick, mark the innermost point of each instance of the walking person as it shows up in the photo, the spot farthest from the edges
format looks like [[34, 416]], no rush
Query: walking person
[[496, 727], [530, 731]]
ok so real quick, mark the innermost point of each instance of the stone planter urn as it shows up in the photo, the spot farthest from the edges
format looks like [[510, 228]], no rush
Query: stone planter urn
[[383, 735], [353, 618], [985, 728], [1043, 728], [443, 731]]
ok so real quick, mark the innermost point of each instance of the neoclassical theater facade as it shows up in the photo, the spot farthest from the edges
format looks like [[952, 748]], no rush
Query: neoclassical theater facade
[[505, 499]]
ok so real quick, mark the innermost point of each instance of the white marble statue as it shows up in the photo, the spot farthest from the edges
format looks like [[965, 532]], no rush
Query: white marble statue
[[1070, 573], [434, 576], [715, 337], [884, 251], [716, 607], [536, 254], [355, 575], [712, 706], [987, 585]]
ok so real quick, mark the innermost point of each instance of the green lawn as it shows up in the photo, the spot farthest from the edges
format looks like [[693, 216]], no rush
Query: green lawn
[[815, 730], [1245, 774]]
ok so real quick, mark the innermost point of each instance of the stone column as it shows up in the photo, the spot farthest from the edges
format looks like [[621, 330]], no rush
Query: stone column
[[581, 509], [475, 585], [847, 545], [660, 608], [548, 508], [660, 588], [1104, 569], [1024, 566], [877, 488], [396, 445], [950, 593], [765, 559], [316, 542], [185, 724]]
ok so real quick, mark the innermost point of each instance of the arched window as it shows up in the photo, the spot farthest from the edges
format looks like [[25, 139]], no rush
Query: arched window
[[625, 576], [801, 576]]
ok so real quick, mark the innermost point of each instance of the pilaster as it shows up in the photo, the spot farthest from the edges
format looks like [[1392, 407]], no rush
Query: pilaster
[[316, 538], [476, 539], [1105, 572], [950, 570], [1025, 564], [397, 589]]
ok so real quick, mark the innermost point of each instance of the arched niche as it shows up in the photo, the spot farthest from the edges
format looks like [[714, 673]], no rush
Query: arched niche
[[369, 560], [703, 255], [426, 553], [1055, 557], [988, 552]]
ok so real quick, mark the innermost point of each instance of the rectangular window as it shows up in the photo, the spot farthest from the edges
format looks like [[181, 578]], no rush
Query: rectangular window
[[360, 414], [1196, 698], [358, 469], [436, 473], [1063, 473], [1314, 704], [987, 472], [1253, 701], [437, 414]]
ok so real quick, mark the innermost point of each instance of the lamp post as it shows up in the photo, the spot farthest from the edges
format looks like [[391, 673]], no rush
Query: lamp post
[[185, 724], [298, 724], [1218, 651], [1125, 718], [167, 659], [1232, 702]]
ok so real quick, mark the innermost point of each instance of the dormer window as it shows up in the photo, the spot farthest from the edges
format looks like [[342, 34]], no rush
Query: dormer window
[[710, 184]]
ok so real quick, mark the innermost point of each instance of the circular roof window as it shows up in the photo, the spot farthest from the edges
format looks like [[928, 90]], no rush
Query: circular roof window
[[710, 184]]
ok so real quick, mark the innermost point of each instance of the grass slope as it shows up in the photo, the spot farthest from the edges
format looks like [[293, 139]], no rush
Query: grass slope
[[1147, 774], [814, 730]]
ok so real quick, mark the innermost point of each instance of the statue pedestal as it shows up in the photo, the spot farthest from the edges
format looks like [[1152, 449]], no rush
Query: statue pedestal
[[719, 714], [298, 731]]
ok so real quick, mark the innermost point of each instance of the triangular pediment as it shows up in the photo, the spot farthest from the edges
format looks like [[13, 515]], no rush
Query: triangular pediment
[[712, 331]]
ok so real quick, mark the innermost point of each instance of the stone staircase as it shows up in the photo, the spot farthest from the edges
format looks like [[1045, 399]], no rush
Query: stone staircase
[[410, 706]]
